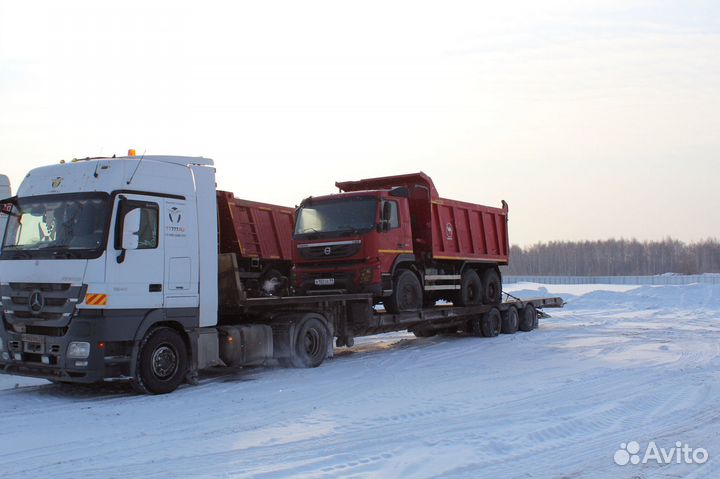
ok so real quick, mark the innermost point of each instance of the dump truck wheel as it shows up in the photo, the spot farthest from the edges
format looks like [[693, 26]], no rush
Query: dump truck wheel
[[510, 320], [491, 323], [407, 294], [528, 318], [272, 282], [471, 289], [491, 287], [311, 343], [162, 362]]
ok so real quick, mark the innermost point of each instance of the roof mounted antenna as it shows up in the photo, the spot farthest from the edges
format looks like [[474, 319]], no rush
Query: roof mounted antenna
[[132, 153]]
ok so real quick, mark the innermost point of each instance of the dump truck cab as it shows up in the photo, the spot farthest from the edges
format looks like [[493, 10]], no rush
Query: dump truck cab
[[362, 234]]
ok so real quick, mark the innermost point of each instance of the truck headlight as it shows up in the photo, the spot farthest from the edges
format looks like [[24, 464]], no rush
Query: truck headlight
[[366, 275], [78, 350]]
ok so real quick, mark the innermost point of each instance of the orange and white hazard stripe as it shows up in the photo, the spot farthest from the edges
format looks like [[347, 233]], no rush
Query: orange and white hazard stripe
[[96, 299]]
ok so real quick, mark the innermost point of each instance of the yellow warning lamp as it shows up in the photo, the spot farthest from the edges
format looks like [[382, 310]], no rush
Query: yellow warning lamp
[[131, 152]]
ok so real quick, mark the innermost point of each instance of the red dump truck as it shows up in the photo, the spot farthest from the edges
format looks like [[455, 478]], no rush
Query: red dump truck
[[257, 238], [396, 238]]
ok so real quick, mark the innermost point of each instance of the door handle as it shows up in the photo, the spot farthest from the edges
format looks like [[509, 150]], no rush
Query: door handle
[[155, 288]]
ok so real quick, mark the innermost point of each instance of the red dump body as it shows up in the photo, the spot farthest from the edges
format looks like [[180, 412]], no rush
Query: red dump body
[[254, 230], [446, 229]]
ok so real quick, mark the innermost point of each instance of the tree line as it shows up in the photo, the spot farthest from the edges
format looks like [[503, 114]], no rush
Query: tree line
[[615, 257]]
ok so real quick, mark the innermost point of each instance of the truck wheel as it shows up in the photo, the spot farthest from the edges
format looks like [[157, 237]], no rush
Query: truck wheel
[[272, 282], [491, 287], [407, 294], [529, 318], [311, 343], [491, 323], [471, 289], [162, 362], [510, 320]]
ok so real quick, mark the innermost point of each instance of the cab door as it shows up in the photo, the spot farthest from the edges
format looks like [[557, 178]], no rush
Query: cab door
[[181, 254], [134, 278]]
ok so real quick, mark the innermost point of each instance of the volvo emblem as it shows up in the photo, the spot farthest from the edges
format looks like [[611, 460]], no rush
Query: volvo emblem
[[36, 302], [327, 251]]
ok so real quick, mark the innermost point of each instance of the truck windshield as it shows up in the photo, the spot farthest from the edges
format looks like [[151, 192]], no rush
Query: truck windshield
[[57, 226], [347, 215]]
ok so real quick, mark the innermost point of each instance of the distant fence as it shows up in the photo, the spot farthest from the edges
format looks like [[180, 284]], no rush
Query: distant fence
[[660, 280]]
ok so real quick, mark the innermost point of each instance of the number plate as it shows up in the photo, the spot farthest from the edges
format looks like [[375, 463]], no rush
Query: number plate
[[324, 281], [33, 343]]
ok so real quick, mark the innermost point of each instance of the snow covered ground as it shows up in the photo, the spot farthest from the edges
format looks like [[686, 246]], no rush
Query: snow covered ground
[[618, 364]]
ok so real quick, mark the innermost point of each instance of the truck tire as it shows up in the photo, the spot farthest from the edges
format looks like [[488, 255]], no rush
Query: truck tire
[[491, 323], [272, 283], [407, 293], [161, 363], [311, 343], [528, 318], [491, 287], [471, 289], [510, 320]]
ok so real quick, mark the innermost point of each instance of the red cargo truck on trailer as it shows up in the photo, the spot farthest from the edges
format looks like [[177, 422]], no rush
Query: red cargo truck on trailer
[[396, 238], [258, 238]]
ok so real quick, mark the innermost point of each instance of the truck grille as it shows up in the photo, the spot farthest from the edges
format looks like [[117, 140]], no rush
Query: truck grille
[[40, 302], [342, 250]]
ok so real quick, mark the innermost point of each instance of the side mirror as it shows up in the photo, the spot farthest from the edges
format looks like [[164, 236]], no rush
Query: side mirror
[[386, 212], [385, 217], [131, 229]]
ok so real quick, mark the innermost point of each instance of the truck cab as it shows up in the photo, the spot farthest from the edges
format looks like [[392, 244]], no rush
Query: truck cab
[[99, 252], [361, 235]]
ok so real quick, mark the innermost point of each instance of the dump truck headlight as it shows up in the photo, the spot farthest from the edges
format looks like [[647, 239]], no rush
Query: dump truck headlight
[[78, 350]]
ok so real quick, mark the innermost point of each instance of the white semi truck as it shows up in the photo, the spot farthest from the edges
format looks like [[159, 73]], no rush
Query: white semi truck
[[110, 270]]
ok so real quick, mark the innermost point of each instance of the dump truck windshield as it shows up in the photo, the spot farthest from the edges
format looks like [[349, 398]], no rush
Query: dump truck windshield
[[70, 226], [348, 215]]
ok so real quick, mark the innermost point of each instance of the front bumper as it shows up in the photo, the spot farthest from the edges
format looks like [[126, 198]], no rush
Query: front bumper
[[310, 281], [45, 355]]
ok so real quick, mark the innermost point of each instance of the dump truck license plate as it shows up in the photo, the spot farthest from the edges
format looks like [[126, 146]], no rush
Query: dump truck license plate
[[324, 281]]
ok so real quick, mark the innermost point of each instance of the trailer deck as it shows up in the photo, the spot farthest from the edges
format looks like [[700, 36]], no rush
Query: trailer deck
[[353, 315]]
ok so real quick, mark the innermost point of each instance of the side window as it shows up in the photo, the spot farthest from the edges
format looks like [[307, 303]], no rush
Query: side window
[[148, 227], [149, 223], [394, 216]]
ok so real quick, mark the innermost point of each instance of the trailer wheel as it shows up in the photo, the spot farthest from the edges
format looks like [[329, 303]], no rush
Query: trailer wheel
[[529, 318], [491, 287], [471, 289], [311, 343], [491, 323], [510, 320], [162, 362], [407, 294]]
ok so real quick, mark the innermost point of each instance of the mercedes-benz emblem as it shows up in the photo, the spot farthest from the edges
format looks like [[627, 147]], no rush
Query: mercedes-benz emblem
[[36, 302], [327, 251]]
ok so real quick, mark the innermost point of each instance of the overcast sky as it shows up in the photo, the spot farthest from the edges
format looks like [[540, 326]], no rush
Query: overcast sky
[[592, 119]]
